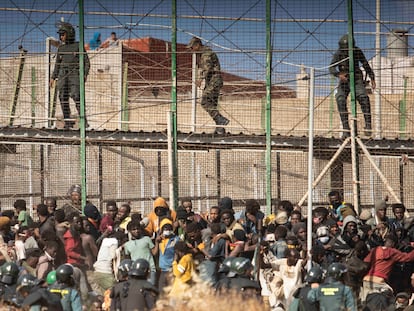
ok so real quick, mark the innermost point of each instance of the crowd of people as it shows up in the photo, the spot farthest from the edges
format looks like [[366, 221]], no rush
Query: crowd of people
[[63, 259]]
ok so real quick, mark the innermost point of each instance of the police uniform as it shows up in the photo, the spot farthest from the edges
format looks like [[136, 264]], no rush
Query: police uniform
[[69, 297], [135, 294], [8, 294], [300, 299], [341, 59], [333, 296], [240, 284], [41, 297], [115, 295], [66, 72]]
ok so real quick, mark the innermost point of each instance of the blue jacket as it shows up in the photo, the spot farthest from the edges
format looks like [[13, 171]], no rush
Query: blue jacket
[[95, 41]]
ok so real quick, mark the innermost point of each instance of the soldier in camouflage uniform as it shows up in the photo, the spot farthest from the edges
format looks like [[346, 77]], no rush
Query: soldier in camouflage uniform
[[67, 71], [340, 68], [209, 64]]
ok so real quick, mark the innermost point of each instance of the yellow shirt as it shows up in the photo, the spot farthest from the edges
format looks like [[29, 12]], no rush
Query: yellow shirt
[[182, 271]]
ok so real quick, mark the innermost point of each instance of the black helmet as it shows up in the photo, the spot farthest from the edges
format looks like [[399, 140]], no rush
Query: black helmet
[[240, 266], [343, 42], [68, 29], [226, 265], [64, 273], [336, 270], [314, 275], [27, 282], [9, 273], [140, 267], [125, 267]]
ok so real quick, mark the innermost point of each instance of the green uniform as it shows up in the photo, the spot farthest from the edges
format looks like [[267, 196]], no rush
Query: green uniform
[[333, 296], [211, 73], [66, 72], [341, 61]]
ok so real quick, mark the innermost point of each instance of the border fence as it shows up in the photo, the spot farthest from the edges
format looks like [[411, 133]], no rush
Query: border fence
[[143, 92]]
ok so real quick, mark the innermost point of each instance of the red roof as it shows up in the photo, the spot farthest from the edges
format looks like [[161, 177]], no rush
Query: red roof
[[149, 67]]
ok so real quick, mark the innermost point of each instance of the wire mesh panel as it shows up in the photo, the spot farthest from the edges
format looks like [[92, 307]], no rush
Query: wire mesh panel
[[217, 66]]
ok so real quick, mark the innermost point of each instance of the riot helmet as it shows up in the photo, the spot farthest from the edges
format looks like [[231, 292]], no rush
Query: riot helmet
[[69, 30], [336, 270], [240, 266], [343, 42], [9, 273], [64, 273], [140, 267], [26, 282], [314, 275], [124, 267], [51, 277], [226, 265]]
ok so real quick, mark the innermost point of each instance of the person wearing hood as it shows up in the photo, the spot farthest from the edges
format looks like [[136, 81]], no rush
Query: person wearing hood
[[94, 218], [165, 244], [161, 210], [95, 42], [344, 243]]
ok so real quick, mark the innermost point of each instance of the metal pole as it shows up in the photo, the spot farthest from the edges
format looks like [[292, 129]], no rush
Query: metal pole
[[48, 96], [170, 159], [403, 110], [268, 109], [377, 116], [310, 162], [173, 115], [194, 93], [325, 169], [124, 104], [380, 174], [355, 172], [82, 105]]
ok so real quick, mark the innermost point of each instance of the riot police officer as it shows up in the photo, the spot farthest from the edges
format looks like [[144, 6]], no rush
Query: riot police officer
[[137, 293], [116, 290], [34, 295], [300, 300], [64, 289], [66, 71], [333, 294], [238, 278], [9, 275]]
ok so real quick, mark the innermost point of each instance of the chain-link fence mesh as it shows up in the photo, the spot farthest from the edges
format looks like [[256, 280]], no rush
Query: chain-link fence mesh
[[129, 87]]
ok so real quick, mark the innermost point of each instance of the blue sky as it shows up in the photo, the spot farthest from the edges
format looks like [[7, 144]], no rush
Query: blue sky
[[296, 39]]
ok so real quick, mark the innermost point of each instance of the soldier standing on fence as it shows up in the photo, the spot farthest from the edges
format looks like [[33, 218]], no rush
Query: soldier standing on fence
[[340, 60], [211, 74], [66, 72]]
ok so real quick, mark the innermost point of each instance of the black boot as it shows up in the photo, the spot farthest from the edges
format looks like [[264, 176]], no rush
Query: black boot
[[68, 124], [220, 120], [220, 130]]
